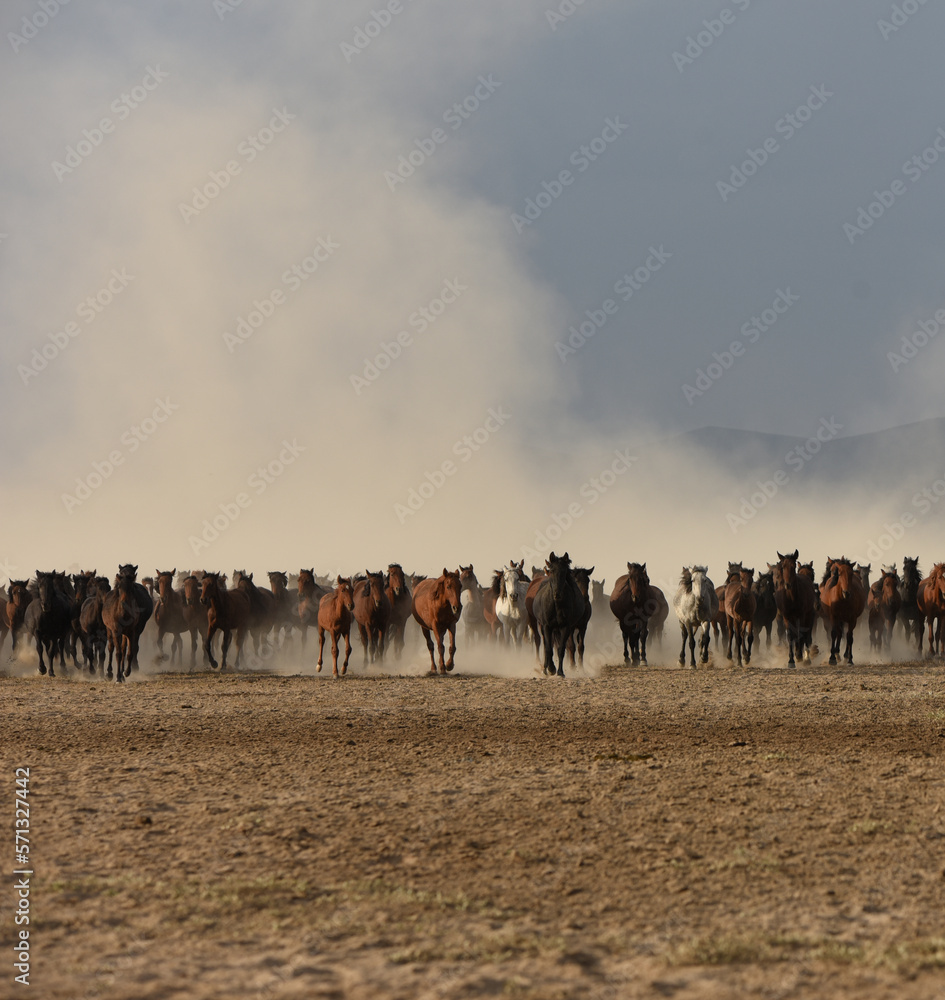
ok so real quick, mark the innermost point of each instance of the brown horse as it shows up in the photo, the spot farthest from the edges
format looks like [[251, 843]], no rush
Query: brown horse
[[372, 611], [262, 609], [843, 595], [794, 594], [228, 611], [195, 615], [286, 610], [437, 605], [169, 615], [930, 598], [14, 611], [310, 594], [537, 576], [576, 640], [740, 606], [125, 611], [401, 606], [92, 632], [883, 605], [633, 602], [334, 616]]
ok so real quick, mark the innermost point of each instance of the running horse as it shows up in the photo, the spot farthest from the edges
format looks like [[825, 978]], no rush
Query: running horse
[[48, 620], [910, 618], [576, 640], [401, 606], [632, 602], [262, 609], [696, 605], [931, 601], [334, 617], [537, 576], [93, 634], [228, 611], [372, 613], [475, 626], [195, 615], [169, 615], [437, 606], [794, 594], [843, 595], [310, 595], [883, 604], [125, 612], [766, 608], [510, 602], [559, 608], [740, 606], [14, 611]]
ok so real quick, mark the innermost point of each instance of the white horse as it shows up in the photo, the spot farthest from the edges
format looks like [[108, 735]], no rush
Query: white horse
[[695, 604], [510, 604]]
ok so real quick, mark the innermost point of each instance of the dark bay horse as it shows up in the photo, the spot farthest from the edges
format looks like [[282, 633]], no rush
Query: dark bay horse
[[766, 608], [883, 604], [228, 611], [910, 617], [633, 602], [48, 620], [931, 601], [537, 576], [740, 606], [843, 595], [286, 608], [576, 639], [310, 594], [262, 609], [81, 583], [794, 594], [372, 612], [437, 606], [169, 615], [94, 635], [559, 608], [125, 612], [401, 606], [335, 612]]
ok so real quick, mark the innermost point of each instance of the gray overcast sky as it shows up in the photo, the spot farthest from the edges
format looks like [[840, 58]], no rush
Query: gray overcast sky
[[221, 181]]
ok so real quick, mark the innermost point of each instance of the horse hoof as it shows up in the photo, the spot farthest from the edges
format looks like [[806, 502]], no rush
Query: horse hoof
[[832, 661]]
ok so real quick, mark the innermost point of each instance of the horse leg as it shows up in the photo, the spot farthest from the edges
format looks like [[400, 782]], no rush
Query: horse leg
[[789, 631], [644, 632], [704, 644], [334, 653], [208, 646], [321, 645], [452, 631], [344, 666], [429, 641], [730, 628], [749, 640], [365, 641], [548, 663], [160, 643], [682, 652]]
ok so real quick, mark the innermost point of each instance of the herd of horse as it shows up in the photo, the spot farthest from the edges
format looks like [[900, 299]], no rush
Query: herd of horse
[[86, 615]]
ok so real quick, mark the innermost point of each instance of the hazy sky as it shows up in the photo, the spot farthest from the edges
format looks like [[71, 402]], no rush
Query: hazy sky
[[319, 271]]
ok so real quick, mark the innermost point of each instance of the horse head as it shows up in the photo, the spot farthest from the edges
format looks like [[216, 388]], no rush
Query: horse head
[[449, 588], [638, 582], [278, 581], [165, 582], [210, 587], [345, 591], [396, 580]]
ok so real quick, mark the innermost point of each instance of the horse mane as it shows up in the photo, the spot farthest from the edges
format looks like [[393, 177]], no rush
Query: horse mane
[[496, 584], [686, 580]]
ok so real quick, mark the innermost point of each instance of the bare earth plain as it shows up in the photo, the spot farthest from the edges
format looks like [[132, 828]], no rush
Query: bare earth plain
[[645, 832]]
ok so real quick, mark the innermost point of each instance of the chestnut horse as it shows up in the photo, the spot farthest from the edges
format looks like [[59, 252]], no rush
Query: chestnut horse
[[794, 594], [169, 615], [883, 604], [931, 602], [437, 606], [14, 610], [334, 616], [372, 613], [740, 605], [401, 606], [843, 595], [195, 615], [310, 594], [228, 611]]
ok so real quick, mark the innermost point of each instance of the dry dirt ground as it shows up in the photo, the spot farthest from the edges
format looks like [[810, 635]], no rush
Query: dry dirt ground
[[645, 832]]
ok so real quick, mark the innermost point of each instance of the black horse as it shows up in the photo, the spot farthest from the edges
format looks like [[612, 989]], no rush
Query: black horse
[[559, 608], [910, 617], [49, 620]]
